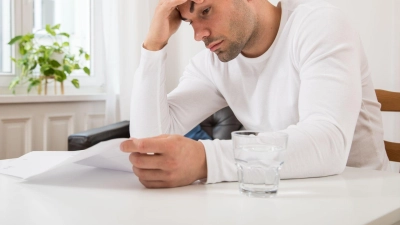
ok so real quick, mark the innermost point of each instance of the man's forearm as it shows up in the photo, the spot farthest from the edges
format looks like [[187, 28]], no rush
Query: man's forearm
[[148, 95], [153, 46]]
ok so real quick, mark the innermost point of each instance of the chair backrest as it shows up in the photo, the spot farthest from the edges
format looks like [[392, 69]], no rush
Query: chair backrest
[[390, 102], [221, 124]]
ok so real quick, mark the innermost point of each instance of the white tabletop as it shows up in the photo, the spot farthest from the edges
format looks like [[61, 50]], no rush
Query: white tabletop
[[83, 195]]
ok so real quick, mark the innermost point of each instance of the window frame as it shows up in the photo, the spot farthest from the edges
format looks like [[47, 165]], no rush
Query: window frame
[[1, 32], [22, 24], [15, 27]]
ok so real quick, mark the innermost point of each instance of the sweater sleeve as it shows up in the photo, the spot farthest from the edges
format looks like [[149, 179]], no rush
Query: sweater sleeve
[[220, 161], [153, 112], [326, 52]]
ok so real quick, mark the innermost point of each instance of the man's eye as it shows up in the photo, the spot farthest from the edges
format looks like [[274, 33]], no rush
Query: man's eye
[[206, 11]]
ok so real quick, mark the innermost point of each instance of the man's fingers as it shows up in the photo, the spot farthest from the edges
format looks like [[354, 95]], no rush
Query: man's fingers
[[145, 161], [155, 184], [145, 145], [152, 175], [172, 4]]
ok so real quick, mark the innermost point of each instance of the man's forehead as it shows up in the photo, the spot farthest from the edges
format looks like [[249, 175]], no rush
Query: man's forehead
[[187, 5]]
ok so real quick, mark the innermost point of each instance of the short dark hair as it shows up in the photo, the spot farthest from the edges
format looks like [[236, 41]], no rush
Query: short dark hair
[[192, 6]]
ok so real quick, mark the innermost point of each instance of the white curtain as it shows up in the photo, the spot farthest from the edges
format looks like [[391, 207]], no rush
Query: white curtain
[[124, 25]]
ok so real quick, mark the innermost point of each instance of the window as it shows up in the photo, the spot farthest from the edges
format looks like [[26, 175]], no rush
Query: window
[[73, 15], [5, 37], [18, 17]]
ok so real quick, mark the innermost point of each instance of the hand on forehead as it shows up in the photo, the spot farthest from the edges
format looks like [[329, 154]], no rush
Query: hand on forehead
[[190, 4]]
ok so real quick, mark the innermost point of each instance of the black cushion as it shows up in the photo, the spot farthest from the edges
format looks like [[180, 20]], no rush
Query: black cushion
[[86, 139], [217, 126], [221, 124]]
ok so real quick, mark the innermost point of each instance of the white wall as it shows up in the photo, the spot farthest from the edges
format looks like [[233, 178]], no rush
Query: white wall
[[184, 47], [377, 21], [43, 123]]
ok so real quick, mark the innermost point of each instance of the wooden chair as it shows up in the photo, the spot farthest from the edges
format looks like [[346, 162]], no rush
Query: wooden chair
[[390, 102]]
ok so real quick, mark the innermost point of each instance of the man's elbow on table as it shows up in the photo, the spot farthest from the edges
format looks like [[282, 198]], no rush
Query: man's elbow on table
[[315, 150]]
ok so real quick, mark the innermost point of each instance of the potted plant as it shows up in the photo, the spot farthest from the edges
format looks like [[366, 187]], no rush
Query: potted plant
[[43, 61]]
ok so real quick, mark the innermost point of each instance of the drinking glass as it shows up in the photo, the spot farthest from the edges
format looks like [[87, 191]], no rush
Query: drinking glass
[[259, 157]]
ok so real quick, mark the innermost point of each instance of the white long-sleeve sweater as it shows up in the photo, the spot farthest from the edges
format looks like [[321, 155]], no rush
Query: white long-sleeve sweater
[[313, 83]]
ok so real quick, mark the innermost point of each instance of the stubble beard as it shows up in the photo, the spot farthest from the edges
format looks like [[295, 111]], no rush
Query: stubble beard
[[241, 31], [233, 47], [231, 53]]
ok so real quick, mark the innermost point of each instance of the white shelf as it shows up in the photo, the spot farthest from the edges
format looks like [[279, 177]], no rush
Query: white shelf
[[19, 99]]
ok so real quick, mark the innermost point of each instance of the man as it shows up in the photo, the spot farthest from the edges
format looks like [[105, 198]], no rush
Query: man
[[297, 68]]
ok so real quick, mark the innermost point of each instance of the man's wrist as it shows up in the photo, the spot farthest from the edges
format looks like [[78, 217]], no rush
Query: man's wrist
[[203, 165], [152, 46]]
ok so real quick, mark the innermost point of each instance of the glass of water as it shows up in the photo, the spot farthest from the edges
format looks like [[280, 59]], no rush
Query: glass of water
[[259, 157]]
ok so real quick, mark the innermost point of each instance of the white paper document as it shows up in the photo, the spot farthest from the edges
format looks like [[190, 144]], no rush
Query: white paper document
[[103, 155]]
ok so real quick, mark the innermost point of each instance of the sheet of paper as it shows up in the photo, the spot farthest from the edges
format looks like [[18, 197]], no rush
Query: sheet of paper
[[103, 155], [5, 162], [114, 160]]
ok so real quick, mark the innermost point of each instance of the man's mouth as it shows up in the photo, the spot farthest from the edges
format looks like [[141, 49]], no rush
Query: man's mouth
[[214, 46]]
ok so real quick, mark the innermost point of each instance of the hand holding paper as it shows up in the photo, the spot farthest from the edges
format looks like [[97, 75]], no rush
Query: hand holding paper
[[167, 160]]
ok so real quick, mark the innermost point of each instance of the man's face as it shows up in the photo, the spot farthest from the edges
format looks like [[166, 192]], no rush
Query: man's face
[[225, 26]]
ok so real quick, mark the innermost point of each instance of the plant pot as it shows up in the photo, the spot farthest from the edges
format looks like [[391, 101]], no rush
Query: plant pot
[[59, 57]]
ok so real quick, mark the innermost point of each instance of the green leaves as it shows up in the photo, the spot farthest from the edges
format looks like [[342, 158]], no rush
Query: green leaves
[[49, 72], [41, 61], [87, 70], [67, 69], [50, 30], [44, 67], [56, 27], [47, 52], [55, 60], [33, 83], [60, 76], [55, 64], [28, 37], [75, 82], [64, 34], [70, 57], [14, 83], [22, 49], [28, 46], [17, 38], [34, 66]]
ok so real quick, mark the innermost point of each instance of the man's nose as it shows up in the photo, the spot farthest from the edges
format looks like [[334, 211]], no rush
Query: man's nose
[[200, 32]]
